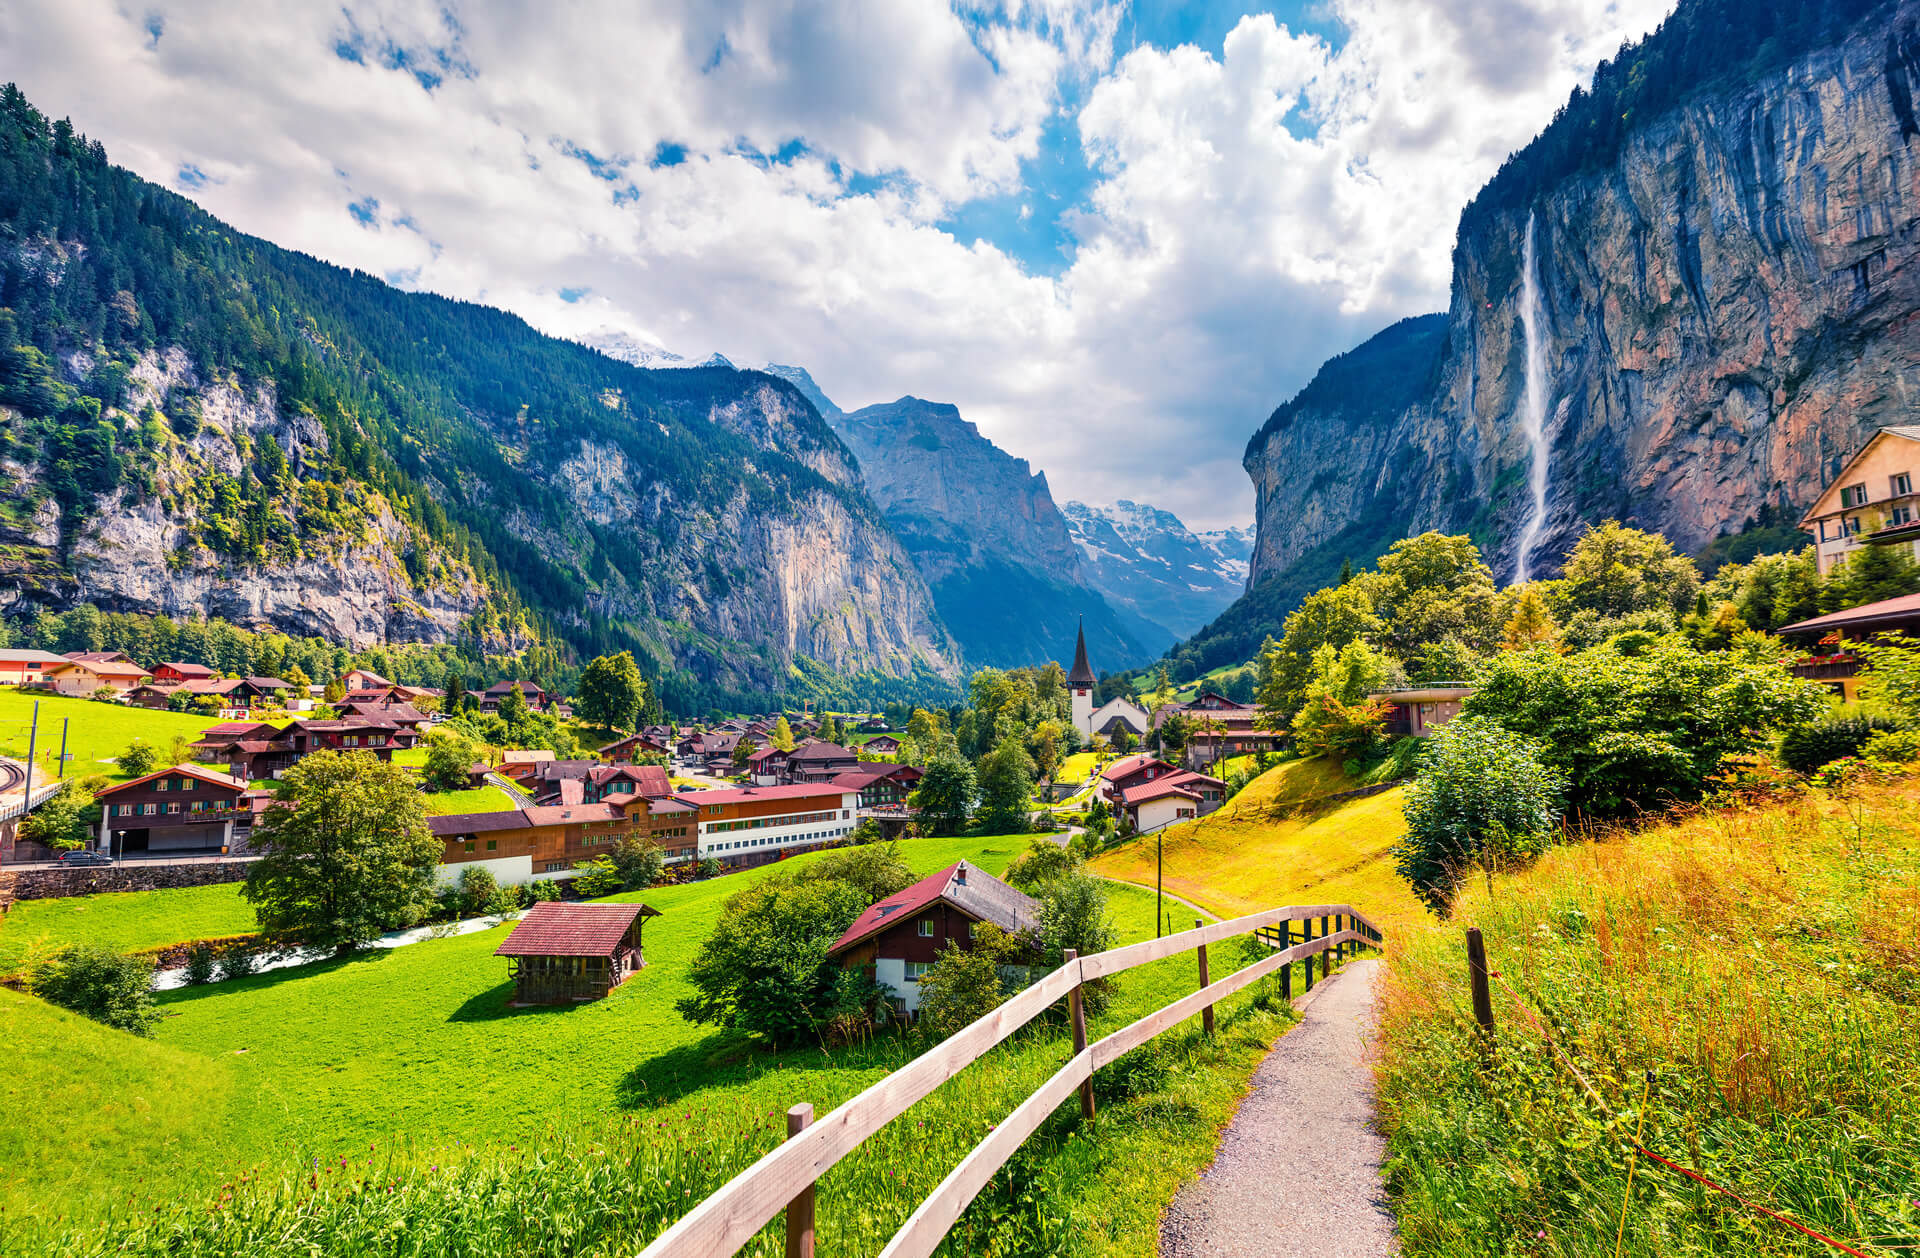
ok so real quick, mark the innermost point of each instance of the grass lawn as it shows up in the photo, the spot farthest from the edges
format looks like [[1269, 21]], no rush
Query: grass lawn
[[96, 732], [411, 757], [1078, 767], [1267, 846], [411, 1057], [481, 799], [126, 921]]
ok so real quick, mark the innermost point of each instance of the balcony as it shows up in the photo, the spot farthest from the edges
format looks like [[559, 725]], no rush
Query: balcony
[[1827, 668]]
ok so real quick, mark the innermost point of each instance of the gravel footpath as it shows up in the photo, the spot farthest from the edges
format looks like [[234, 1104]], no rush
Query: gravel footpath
[[1298, 1168]]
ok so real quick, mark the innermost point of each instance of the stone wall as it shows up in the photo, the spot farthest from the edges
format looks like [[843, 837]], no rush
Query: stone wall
[[49, 884]]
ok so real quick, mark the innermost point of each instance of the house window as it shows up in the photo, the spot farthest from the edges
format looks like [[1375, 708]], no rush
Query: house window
[[926, 928], [376, 740], [147, 810], [198, 805], [351, 740], [173, 805], [917, 970], [1853, 496], [161, 785], [1902, 485], [493, 844], [187, 784], [1853, 525], [126, 810], [468, 845], [1902, 515]]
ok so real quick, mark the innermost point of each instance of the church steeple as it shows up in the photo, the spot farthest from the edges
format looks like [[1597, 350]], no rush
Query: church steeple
[[1081, 678]]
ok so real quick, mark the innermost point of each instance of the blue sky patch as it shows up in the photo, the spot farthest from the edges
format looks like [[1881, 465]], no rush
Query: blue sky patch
[[365, 211], [607, 168], [191, 176], [155, 26], [571, 295], [667, 155]]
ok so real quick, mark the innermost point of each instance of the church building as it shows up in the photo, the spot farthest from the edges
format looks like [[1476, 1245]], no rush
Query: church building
[[1081, 682]]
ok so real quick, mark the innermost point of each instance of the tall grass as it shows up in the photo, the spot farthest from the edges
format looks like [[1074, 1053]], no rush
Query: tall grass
[[1744, 982]]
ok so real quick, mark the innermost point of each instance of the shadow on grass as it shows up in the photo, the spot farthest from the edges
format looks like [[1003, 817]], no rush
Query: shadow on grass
[[493, 1004], [271, 978]]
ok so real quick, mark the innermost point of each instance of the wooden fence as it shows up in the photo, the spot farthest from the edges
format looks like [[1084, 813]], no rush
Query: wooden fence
[[720, 1225]]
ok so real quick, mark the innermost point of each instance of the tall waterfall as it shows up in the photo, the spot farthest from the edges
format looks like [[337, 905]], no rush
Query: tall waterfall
[[1534, 416]]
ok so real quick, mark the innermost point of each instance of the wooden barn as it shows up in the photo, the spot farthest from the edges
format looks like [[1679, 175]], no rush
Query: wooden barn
[[561, 952]]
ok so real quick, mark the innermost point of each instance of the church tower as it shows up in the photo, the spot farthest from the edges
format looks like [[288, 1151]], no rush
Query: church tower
[[1081, 682]]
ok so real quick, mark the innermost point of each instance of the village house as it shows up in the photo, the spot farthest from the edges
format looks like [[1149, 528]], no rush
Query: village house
[[1828, 659], [752, 825], [175, 672], [489, 699], [1871, 502], [362, 679], [400, 713], [880, 785], [28, 668], [1416, 711], [589, 781], [819, 762], [521, 764], [157, 695], [715, 752], [569, 952], [1218, 728], [901, 936], [85, 672], [179, 810], [881, 745], [623, 750], [1116, 714], [1152, 793]]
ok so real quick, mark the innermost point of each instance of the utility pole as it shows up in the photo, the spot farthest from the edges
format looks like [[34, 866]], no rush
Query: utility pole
[[26, 802], [63, 748]]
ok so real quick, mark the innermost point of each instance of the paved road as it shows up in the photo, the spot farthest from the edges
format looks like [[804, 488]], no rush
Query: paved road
[[142, 862], [1298, 1168]]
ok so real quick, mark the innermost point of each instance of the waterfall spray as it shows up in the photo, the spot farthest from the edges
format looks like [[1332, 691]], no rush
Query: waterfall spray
[[1534, 416]]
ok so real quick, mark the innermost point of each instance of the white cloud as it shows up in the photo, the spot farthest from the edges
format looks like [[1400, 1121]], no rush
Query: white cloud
[[1257, 207]]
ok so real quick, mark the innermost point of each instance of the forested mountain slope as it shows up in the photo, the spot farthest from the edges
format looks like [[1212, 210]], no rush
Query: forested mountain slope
[[198, 420]]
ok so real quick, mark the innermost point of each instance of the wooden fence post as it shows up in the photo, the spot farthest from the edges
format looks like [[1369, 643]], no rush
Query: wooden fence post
[[1326, 957], [800, 1209], [1340, 922], [1477, 975], [1078, 1009], [1286, 971], [1306, 937], [1206, 1014]]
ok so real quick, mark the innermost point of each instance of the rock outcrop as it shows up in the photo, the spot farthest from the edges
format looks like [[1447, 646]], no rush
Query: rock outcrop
[[1729, 313]]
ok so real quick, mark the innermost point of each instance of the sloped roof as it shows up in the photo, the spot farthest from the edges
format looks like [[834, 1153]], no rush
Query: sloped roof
[[967, 887], [1820, 508], [747, 794], [182, 770], [1885, 612], [1155, 790], [187, 671], [823, 751], [1081, 676], [556, 929], [476, 822], [1126, 766], [29, 656], [534, 756]]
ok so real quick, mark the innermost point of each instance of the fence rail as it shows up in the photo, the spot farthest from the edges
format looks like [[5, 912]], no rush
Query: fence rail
[[720, 1225]]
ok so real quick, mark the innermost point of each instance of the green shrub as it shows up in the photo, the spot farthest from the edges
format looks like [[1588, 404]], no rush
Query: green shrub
[[597, 878], [139, 759], [101, 984], [1484, 798], [1805, 749], [503, 901], [478, 887], [963, 984], [200, 964], [542, 890], [238, 961], [1897, 746]]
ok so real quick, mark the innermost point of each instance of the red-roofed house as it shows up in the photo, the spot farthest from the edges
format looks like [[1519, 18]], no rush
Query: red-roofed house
[[176, 672], [623, 750], [87, 671], [881, 785], [1828, 660], [561, 952], [185, 808], [1170, 797], [1129, 771], [902, 935]]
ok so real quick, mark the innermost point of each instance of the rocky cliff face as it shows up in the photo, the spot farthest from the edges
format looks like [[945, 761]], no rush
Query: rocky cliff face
[[359, 576], [1728, 314], [1150, 564], [983, 530]]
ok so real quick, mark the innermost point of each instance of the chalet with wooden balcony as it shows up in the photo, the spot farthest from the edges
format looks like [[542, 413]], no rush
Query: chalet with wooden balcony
[[86, 672], [174, 672], [1828, 660], [623, 750], [180, 810]]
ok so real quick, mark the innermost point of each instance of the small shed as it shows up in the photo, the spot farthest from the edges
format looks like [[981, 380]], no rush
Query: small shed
[[561, 952]]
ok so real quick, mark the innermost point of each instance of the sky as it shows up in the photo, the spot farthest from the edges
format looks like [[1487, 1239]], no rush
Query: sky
[[1116, 235]]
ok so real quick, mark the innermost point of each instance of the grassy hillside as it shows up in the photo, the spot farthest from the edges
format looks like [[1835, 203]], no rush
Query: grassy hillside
[[1762, 965], [408, 1068], [96, 732], [1270, 845], [126, 921]]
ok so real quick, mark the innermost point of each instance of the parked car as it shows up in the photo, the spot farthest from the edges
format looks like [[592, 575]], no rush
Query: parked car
[[84, 857]]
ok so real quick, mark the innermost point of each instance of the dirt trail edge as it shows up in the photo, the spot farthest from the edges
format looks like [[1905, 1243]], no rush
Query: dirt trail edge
[[1298, 1168]]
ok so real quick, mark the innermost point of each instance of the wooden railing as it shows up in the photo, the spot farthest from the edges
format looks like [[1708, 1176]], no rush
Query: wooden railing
[[720, 1225]]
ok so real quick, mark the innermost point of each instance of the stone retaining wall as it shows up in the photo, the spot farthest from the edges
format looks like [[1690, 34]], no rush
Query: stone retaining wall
[[49, 884]]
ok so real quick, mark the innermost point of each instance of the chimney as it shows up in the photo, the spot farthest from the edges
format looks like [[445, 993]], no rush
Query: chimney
[[960, 876]]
